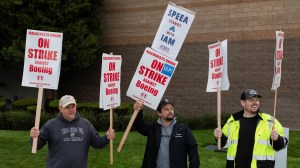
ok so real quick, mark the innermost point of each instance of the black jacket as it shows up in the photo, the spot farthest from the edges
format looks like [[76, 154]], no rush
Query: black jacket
[[182, 143]]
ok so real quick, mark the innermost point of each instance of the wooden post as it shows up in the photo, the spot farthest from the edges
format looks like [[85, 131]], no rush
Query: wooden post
[[274, 113], [219, 115], [111, 141], [37, 118], [127, 130], [110, 128]]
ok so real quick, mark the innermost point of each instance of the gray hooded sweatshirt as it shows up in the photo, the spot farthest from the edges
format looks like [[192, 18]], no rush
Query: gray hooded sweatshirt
[[69, 141]]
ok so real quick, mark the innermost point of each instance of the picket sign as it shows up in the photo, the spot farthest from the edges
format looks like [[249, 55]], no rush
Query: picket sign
[[278, 56], [217, 76], [42, 61]]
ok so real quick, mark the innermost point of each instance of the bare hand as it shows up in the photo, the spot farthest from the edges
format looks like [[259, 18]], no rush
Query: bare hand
[[34, 132], [274, 135], [218, 133], [110, 134], [138, 106]]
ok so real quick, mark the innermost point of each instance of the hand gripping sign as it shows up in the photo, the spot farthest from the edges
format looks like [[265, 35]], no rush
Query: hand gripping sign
[[172, 30], [41, 65], [149, 82], [217, 75]]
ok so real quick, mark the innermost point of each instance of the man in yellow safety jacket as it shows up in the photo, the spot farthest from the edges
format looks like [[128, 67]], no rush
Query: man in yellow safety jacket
[[249, 134]]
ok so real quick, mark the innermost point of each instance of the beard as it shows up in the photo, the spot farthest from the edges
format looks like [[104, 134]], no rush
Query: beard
[[170, 118]]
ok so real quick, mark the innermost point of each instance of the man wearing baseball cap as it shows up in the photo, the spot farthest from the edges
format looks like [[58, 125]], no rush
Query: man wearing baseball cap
[[69, 137], [169, 143], [250, 134]]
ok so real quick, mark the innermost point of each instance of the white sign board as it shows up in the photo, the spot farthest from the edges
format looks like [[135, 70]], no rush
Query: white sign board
[[217, 72], [173, 30], [42, 59], [151, 78], [110, 91], [278, 56]]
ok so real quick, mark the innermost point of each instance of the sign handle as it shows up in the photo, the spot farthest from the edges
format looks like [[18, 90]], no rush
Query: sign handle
[[274, 114], [37, 118], [219, 115], [110, 128], [111, 140], [127, 130]]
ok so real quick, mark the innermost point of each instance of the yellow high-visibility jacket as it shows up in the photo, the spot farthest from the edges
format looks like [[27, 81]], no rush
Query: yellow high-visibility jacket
[[263, 151]]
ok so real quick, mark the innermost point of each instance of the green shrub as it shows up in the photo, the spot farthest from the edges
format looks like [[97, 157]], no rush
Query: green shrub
[[45, 117], [150, 117], [23, 103], [124, 109], [31, 109], [5, 121], [91, 107], [121, 122], [22, 120], [53, 106], [104, 121], [2, 104], [91, 117]]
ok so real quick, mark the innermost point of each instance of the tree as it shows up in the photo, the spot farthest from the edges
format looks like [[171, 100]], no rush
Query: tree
[[79, 21]]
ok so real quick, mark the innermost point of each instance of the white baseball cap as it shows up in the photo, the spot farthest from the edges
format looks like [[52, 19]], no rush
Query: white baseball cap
[[66, 100]]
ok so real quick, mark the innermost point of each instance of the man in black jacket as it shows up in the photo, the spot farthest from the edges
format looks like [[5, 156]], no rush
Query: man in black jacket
[[169, 142]]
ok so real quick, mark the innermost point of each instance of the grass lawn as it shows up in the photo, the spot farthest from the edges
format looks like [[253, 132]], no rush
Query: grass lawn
[[15, 151]]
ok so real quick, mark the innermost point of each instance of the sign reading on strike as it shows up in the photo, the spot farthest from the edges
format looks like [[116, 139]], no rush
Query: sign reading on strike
[[217, 71], [278, 56], [42, 59], [110, 94], [173, 30], [151, 78]]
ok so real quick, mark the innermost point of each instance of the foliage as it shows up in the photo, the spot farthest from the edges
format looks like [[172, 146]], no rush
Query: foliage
[[89, 106], [22, 120], [31, 109], [2, 104], [53, 106], [79, 21], [24, 103], [5, 121]]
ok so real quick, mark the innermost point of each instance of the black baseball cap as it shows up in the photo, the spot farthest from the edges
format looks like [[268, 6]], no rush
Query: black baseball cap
[[249, 93], [162, 103]]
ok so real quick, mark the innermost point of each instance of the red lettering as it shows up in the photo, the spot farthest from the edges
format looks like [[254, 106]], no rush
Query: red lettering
[[111, 77], [216, 62], [42, 54], [146, 88], [217, 75], [110, 91]]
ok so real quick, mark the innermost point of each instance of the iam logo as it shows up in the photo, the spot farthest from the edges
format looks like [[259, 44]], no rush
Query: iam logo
[[172, 28]]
